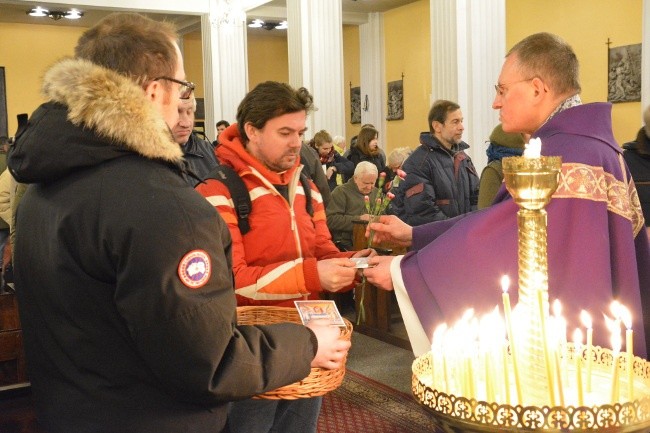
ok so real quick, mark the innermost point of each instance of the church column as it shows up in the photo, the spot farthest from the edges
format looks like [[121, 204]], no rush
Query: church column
[[467, 51], [645, 58], [315, 39], [371, 69], [225, 71]]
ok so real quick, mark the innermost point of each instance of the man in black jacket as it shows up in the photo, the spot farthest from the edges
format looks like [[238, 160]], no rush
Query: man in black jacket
[[637, 156], [130, 323], [198, 153], [441, 181]]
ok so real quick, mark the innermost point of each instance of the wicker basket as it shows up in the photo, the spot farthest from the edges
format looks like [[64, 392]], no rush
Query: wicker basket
[[320, 381]]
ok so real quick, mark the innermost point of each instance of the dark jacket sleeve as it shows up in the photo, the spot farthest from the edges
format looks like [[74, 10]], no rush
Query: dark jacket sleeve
[[314, 170], [188, 336], [344, 166]]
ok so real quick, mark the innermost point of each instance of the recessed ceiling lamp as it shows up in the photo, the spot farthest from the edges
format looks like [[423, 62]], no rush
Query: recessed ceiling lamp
[[269, 25], [256, 23], [38, 12], [72, 14]]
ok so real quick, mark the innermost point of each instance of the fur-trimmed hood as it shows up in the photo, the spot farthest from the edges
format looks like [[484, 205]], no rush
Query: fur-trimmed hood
[[94, 115]]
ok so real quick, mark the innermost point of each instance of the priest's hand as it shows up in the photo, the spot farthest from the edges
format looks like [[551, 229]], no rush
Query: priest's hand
[[391, 229], [379, 272], [331, 349]]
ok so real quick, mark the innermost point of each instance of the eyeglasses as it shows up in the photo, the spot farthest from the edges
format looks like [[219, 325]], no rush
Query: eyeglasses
[[501, 89], [186, 89]]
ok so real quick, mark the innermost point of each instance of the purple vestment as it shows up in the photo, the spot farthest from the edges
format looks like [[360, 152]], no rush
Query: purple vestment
[[597, 246]]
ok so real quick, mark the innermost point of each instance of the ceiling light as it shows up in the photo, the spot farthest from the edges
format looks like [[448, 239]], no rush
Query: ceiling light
[[56, 15], [37, 12], [282, 25], [74, 14], [257, 23]]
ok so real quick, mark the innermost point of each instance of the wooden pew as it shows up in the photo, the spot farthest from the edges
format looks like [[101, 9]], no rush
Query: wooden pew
[[12, 357], [378, 304]]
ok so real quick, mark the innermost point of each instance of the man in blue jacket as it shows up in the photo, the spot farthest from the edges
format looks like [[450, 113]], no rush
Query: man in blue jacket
[[441, 181]]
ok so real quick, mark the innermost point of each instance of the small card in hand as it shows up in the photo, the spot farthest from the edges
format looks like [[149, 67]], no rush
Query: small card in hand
[[312, 310]]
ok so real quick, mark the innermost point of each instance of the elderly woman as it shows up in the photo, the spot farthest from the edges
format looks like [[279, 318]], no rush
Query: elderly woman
[[347, 203]]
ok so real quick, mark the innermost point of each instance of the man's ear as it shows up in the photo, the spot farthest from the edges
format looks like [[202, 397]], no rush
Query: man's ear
[[153, 90], [250, 130], [437, 126], [539, 87]]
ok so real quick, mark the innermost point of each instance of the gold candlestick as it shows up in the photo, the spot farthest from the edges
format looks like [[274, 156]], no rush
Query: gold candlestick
[[531, 183]]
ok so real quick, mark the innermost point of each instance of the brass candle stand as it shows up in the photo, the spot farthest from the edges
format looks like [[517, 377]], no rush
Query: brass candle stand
[[531, 182], [454, 413]]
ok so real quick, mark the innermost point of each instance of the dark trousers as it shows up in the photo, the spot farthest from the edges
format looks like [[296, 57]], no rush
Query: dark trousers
[[274, 416]]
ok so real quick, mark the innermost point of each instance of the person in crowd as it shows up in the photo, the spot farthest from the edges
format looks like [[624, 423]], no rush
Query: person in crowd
[[367, 149], [353, 140], [637, 156], [314, 170], [198, 153], [348, 204], [394, 162], [332, 162], [597, 246], [287, 254], [129, 324], [441, 181], [339, 144], [221, 126], [501, 145]]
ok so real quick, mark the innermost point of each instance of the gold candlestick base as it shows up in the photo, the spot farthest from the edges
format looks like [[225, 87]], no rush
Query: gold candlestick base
[[454, 413]]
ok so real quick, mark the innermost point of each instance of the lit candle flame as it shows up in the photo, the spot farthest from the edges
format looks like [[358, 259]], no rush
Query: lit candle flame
[[626, 317], [533, 148], [616, 309], [557, 308], [585, 318], [577, 338], [505, 283]]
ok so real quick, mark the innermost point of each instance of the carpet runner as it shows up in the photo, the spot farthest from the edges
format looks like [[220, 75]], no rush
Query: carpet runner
[[362, 405]]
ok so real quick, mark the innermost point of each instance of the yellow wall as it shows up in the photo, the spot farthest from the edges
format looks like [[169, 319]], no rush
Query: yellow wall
[[407, 48], [268, 58], [26, 52], [193, 61], [585, 25], [351, 75]]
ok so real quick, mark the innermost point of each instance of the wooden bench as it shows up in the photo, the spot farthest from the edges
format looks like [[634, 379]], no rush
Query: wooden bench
[[12, 356], [379, 305]]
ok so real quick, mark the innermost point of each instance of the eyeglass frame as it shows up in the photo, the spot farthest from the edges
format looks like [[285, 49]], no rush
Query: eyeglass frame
[[501, 88], [184, 84]]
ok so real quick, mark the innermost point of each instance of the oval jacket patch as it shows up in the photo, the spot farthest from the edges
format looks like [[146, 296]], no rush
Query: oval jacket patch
[[194, 269]]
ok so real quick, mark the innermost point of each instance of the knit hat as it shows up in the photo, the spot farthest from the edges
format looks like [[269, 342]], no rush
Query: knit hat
[[501, 138]]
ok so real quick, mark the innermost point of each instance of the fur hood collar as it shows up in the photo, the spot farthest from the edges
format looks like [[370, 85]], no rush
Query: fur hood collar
[[111, 105]]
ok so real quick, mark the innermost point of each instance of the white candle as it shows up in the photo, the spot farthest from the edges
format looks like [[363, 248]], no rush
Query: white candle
[[438, 357], [615, 328], [626, 317], [577, 340], [585, 318], [505, 284]]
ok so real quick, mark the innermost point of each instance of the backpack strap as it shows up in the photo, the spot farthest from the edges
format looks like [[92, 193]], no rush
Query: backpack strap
[[238, 192], [306, 187]]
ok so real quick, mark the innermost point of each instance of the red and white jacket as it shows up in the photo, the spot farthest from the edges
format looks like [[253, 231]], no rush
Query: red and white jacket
[[275, 262]]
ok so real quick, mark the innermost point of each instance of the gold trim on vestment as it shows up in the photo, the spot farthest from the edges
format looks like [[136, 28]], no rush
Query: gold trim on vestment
[[594, 183]]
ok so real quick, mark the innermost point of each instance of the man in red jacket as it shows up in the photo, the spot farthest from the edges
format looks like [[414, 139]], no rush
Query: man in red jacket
[[287, 254]]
